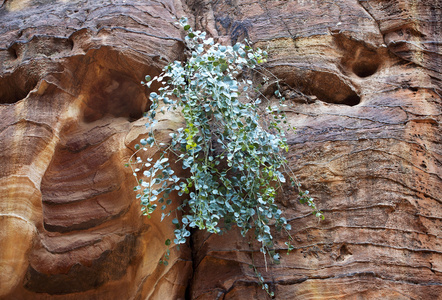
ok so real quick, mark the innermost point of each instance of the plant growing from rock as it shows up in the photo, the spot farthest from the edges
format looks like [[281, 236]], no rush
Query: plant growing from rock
[[232, 145]]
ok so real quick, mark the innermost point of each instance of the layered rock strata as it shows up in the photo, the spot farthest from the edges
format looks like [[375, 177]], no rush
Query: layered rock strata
[[72, 110], [363, 83], [363, 79]]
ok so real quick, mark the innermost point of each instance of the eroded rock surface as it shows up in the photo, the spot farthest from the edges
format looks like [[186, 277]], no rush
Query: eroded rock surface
[[71, 107], [364, 83], [363, 79]]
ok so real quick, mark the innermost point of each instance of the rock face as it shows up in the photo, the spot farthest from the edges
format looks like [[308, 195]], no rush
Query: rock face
[[71, 107], [363, 79]]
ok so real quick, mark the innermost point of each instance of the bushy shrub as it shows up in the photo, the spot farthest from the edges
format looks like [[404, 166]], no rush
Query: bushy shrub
[[232, 145]]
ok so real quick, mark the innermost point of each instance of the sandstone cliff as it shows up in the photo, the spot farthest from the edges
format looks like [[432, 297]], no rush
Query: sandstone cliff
[[364, 83]]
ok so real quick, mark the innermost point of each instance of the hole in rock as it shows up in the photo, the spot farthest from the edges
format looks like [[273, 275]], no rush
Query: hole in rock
[[365, 68], [16, 86], [329, 88], [325, 86], [115, 94], [352, 100], [110, 84], [13, 52], [357, 57]]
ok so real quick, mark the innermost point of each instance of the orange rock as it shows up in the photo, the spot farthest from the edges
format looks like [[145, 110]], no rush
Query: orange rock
[[363, 80], [71, 107], [363, 83]]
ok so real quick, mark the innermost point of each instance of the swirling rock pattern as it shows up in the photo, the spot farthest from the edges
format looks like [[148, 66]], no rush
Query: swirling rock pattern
[[71, 107], [363, 79]]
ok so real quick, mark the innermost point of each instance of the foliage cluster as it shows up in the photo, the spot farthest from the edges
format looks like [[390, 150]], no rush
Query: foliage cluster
[[232, 145]]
